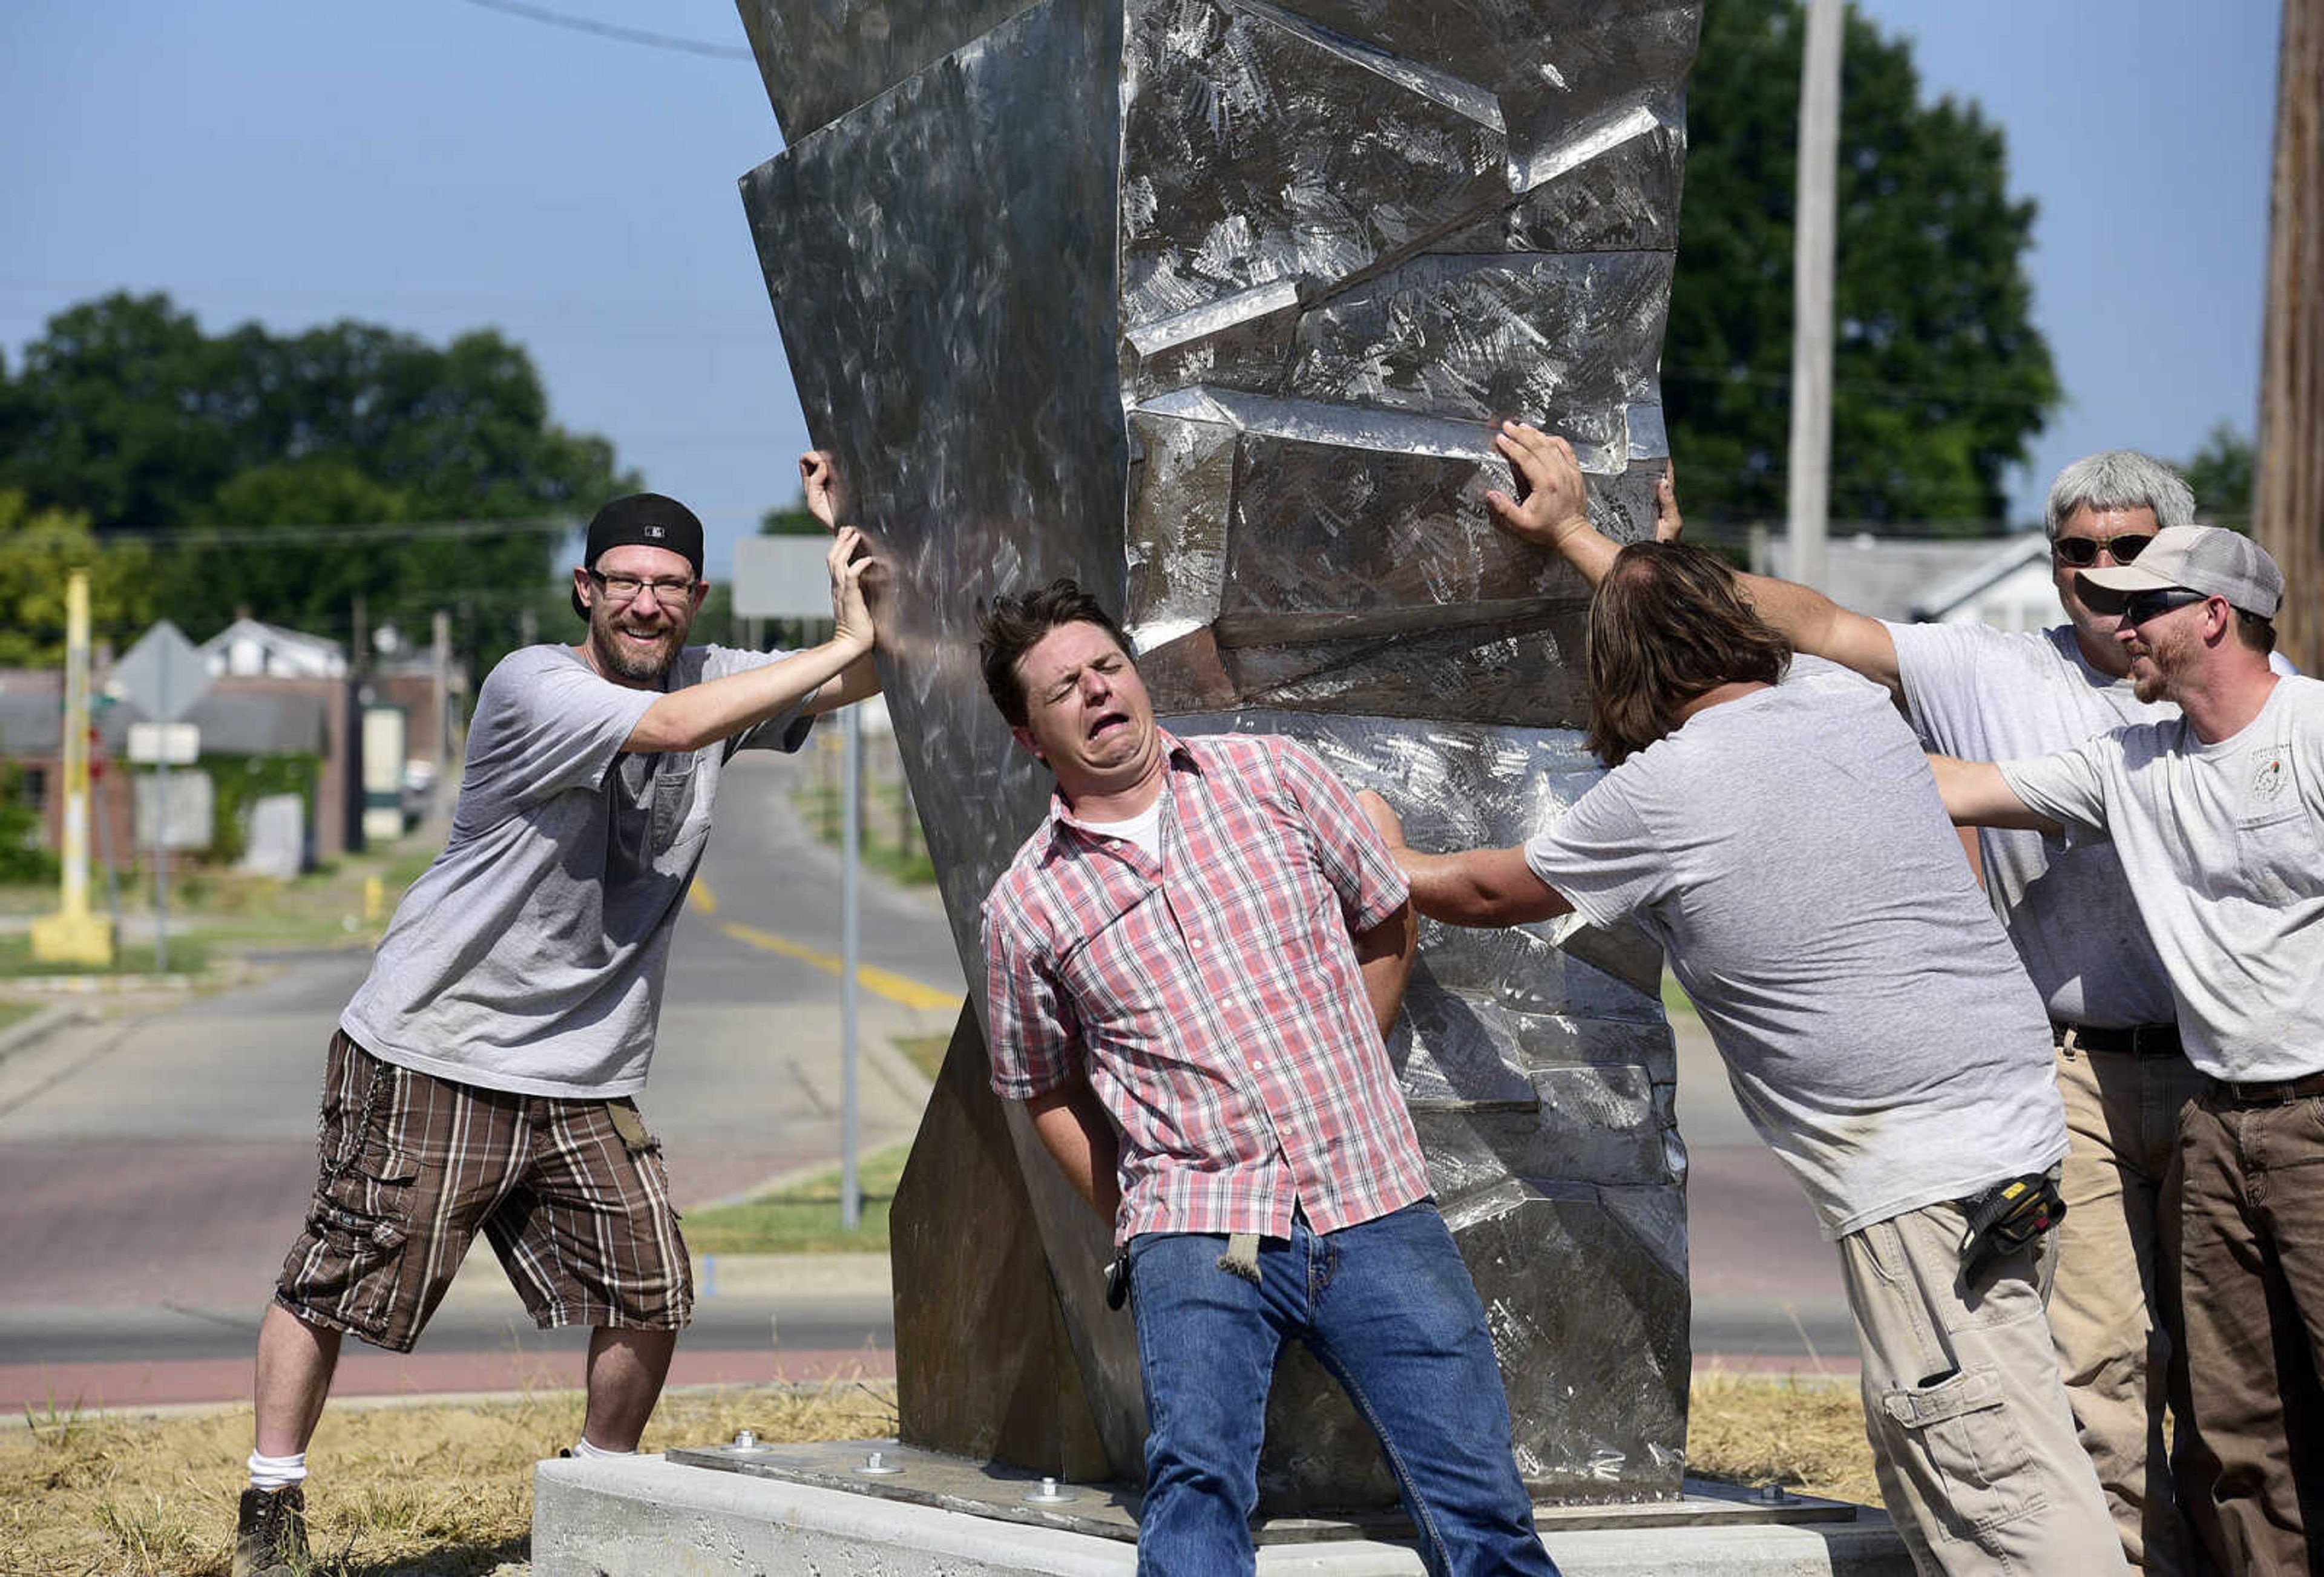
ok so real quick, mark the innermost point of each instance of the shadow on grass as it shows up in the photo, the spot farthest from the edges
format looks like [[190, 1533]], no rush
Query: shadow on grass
[[453, 1560]]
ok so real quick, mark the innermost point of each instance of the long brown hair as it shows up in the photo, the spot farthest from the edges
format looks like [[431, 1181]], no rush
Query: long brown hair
[[1669, 624]]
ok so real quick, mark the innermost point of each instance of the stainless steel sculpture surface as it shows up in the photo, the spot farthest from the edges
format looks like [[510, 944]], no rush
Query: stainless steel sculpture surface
[[1212, 304]]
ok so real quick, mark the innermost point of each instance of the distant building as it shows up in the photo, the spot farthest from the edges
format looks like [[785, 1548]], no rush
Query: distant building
[[247, 649], [2001, 581]]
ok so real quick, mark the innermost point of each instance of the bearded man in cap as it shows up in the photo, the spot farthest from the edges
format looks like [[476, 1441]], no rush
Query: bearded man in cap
[[2217, 815], [483, 1077]]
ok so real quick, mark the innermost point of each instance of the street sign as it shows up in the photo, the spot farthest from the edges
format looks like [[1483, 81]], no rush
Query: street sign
[[164, 674], [169, 745], [783, 577]]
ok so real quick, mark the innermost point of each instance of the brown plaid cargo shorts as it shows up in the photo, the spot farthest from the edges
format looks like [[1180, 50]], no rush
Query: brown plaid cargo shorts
[[571, 1193]]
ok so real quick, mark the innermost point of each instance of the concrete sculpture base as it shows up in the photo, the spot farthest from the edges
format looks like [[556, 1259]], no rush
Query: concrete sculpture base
[[652, 1516]]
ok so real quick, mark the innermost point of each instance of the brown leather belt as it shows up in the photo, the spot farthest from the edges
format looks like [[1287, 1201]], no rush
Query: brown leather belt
[[2139, 1040], [2268, 1091]]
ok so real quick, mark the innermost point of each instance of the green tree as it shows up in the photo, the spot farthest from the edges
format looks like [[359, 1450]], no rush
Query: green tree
[[2220, 472], [39, 552], [1940, 377], [790, 521], [289, 475]]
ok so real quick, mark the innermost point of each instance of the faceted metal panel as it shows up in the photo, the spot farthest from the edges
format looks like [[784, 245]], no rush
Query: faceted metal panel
[[1212, 305]]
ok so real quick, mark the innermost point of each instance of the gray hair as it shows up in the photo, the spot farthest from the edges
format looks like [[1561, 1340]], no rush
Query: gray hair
[[2120, 479]]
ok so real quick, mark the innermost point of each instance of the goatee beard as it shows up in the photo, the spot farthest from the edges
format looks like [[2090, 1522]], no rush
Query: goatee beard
[[623, 662], [2148, 687]]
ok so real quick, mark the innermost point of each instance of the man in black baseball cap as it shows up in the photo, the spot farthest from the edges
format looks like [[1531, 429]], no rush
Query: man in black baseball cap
[[511, 1009]]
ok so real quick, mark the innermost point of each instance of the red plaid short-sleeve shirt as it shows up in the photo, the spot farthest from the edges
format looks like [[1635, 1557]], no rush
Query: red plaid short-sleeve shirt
[[1212, 999]]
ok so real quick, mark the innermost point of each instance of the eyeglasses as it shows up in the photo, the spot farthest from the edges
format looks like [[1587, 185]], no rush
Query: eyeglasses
[[2081, 552], [2140, 606], [624, 588]]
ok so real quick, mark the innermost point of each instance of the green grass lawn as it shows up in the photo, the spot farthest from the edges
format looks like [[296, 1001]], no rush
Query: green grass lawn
[[187, 956], [803, 1218], [15, 1013]]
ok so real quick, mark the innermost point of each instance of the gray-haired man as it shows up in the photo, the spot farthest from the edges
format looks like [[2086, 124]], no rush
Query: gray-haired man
[[1982, 694]]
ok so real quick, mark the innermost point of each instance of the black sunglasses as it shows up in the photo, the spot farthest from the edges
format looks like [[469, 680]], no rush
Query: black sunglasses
[[2140, 606], [2081, 552]]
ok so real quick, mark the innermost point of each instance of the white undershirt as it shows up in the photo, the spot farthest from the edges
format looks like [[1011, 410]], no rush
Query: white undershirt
[[1144, 829]]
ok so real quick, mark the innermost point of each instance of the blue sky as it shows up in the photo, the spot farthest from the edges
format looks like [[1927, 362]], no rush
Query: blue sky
[[437, 165]]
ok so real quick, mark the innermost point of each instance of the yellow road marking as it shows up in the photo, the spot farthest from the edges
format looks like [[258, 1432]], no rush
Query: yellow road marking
[[895, 988], [700, 896]]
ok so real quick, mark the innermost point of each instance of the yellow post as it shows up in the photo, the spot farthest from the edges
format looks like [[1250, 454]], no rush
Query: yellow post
[[72, 935], [375, 900]]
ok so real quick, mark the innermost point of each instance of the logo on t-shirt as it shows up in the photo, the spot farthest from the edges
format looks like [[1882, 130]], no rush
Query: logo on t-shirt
[[2267, 779]]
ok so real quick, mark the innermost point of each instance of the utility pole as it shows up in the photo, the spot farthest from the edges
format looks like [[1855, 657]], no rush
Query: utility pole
[[73, 935], [1814, 236], [2288, 505]]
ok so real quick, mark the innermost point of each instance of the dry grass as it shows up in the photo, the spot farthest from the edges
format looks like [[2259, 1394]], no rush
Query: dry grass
[[446, 1491], [1806, 1435], [420, 1491]]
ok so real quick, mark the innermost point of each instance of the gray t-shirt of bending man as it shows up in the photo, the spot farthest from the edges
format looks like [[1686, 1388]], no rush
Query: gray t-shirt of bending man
[[530, 956], [1987, 694], [1789, 851]]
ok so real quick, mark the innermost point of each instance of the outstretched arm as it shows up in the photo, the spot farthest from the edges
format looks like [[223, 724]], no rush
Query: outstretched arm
[[699, 715], [1556, 514], [1976, 794], [1080, 1137], [1473, 887]]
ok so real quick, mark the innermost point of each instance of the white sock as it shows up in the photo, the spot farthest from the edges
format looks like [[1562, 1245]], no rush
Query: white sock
[[273, 1472], [583, 1448]]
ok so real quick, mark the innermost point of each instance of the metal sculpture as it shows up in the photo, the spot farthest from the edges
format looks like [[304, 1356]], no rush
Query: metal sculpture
[[1212, 304]]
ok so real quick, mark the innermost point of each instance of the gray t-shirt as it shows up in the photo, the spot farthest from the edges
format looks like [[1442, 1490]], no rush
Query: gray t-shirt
[[1986, 695], [528, 957], [1789, 851], [2224, 844]]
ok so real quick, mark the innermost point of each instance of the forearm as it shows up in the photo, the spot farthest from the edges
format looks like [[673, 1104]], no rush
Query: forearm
[[699, 715], [1976, 794], [859, 680], [1813, 623], [1384, 953], [1080, 1137], [1479, 886]]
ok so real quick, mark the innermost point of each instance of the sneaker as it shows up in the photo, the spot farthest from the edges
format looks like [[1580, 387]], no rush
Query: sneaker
[[269, 1534]]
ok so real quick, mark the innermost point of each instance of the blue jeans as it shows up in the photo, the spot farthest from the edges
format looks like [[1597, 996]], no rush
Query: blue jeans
[[1390, 1310]]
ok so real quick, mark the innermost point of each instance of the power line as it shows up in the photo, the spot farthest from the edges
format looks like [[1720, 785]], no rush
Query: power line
[[628, 35]]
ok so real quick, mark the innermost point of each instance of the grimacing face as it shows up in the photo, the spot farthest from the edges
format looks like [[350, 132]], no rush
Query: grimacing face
[[2097, 631], [1087, 717], [634, 642]]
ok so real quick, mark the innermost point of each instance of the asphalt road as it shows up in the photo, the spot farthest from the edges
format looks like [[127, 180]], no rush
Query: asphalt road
[[153, 1166]]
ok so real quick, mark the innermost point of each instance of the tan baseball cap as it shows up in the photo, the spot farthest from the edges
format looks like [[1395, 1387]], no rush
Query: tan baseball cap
[[2204, 559]]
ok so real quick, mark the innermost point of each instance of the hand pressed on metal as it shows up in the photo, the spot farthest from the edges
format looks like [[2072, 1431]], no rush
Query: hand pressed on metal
[[849, 561], [1553, 503], [1668, 522], [819, 483]]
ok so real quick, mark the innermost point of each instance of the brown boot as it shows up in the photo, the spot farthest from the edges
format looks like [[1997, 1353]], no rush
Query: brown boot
[[269, 1534]]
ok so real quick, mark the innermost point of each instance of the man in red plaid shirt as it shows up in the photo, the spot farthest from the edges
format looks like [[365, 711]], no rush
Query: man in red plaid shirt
[[1191, 965]]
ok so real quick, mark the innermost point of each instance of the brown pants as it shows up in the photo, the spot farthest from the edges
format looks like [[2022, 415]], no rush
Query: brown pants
[[2251, 1272]]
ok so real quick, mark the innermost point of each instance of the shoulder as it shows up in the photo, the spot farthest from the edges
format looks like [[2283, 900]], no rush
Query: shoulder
[[697, 663], [528, 670], [1016, 893]]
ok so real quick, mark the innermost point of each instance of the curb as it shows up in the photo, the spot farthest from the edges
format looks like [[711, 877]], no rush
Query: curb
[[38, 1027]]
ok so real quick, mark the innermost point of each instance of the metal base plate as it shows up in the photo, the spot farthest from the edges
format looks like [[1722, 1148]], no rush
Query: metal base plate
[[991, 1490]]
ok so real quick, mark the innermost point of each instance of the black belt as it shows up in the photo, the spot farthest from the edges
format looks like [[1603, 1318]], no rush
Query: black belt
[[2139, 1040], [2268, 1091]]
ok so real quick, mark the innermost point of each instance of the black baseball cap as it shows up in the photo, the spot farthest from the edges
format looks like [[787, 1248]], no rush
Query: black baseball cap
[[644, 520]]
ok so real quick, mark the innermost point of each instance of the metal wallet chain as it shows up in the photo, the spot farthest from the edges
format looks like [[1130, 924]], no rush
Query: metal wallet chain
[[337, 1167]]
